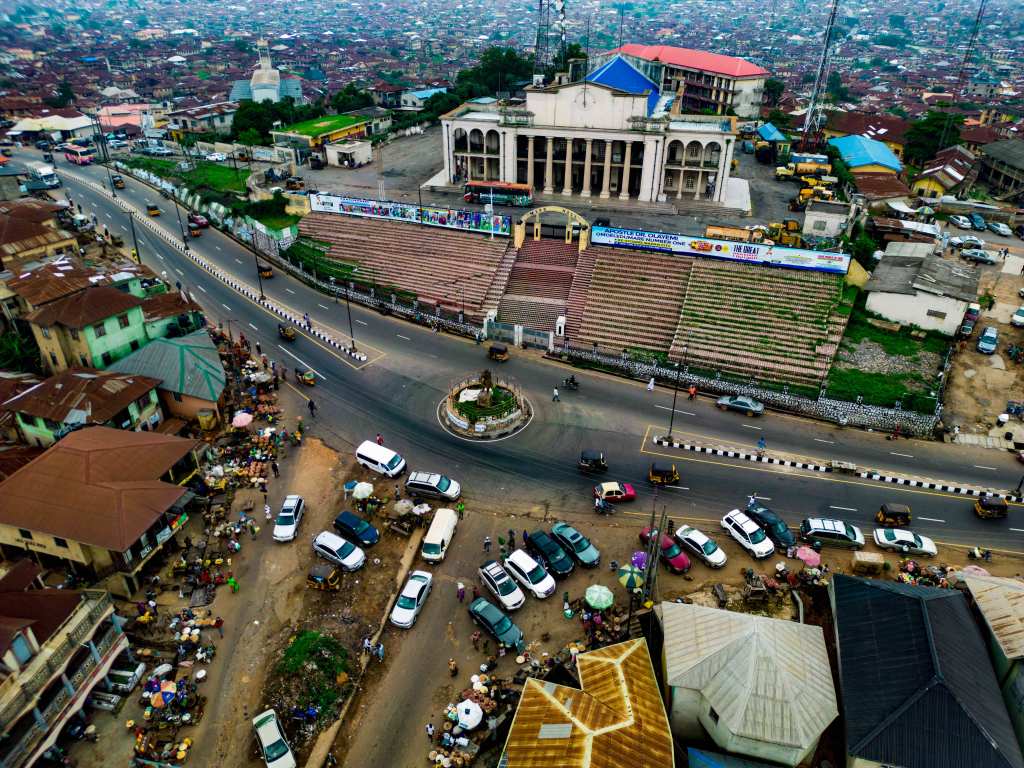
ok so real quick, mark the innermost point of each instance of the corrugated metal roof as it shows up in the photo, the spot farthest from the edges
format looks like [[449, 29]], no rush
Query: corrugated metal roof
[[858, 151], [619, 74], [618, 719], [1001, 602], [768, 680], [188, 364]]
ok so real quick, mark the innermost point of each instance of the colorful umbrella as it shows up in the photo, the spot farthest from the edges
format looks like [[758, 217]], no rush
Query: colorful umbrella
[[241, 420], [631, 577], [599, 596], [810, 558], [639, 559], [362, 491]]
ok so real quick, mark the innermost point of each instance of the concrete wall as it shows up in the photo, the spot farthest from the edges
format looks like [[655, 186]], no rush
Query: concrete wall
[[117, 340], [684, 714], [187, 407], [914, 311], [747, 99], [564, 107], [46, 544], [762, 750]]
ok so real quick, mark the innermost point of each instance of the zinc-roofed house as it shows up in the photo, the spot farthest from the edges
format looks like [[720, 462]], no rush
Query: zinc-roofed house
[[756, 686], [188, 368], [617, 719], [918, 688], [862, 154], [1000, 601]]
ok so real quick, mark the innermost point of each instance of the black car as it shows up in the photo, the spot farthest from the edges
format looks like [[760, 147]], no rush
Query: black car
[[497, 624], [773, 525], [354, 528], [550, 553]]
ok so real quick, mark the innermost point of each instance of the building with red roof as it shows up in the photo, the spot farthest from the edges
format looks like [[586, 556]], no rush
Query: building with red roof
[[700, 80]]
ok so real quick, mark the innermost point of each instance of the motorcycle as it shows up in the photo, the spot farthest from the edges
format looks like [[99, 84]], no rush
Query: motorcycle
[[976, 553], [570, 383], [602, 507]]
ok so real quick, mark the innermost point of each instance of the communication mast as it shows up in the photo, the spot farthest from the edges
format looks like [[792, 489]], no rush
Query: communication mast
[[962, 74], [542, 52], [819, 77]]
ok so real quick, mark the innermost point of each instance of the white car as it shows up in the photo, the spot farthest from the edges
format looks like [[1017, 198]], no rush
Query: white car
[[274, 749], [1000, 229], [962, 222], [966, 241], [286, 526], [332, 547], [1017, 320], [701, 545], [117, 143], [749, 534], [907, 542], [500, 584], [530, 574], [411, 601], [216, 157]]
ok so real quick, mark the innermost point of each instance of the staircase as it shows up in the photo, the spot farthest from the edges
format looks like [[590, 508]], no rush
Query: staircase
[[500, 281], [577, 301]]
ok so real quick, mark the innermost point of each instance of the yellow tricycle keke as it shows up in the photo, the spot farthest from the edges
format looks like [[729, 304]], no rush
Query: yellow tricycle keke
[[893, 515], [498, 352], [324, 577], [662, 473], [991, 507]]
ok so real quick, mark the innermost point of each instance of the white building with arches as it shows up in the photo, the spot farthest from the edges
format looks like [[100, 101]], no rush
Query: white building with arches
[[612, 135]]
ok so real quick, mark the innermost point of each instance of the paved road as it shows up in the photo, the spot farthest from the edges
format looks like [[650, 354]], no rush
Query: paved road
[[411, 367]]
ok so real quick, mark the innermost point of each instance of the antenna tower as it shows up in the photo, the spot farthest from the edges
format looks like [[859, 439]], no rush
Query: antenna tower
[[819, 77], [962, 74]]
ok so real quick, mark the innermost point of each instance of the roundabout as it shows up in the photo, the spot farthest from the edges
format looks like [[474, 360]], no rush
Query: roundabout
[[484, 408]]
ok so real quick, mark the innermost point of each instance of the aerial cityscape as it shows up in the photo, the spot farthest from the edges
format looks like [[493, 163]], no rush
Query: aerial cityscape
[[545, 384]]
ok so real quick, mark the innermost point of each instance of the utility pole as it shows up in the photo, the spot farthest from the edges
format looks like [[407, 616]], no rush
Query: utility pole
[[181, 227], [259, 277], [961, 75], [135, 240]]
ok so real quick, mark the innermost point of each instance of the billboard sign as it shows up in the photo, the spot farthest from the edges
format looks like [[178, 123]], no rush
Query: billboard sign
[[449, 218], [753, 253]]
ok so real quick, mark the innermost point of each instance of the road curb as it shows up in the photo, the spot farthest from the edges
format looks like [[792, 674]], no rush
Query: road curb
[[283, 312], [864, 474]]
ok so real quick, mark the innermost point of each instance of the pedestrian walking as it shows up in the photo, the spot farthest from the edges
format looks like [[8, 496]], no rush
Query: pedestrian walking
[[430, 732], [453, 668], [460, 590], [487, 543], [398, 492], [476, 594], [461, 509], [312, 407], [153, 608], [263, 358], [691, 393], [219, 624], [273, 367], [367, 645], [379, 650], [307, 321], [233, 583], [761, 445], [475, 639], [511, 537], [526, 536], [380, 439], [276, 469], [266, 512], [650, 385], [259, 350], [554, 396]]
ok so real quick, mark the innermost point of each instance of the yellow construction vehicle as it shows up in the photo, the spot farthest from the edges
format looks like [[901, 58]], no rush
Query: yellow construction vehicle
[[786, 232]]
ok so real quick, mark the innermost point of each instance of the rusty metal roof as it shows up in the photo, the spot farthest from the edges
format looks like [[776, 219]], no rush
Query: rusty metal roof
[[617, 719], [1001, 602]]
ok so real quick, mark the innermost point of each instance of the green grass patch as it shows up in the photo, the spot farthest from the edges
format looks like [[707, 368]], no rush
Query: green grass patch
[[278, 221], [312, 258], [205, 175], [317, 660], [321, 125], [503, 403], [900, 344], [881, 389]]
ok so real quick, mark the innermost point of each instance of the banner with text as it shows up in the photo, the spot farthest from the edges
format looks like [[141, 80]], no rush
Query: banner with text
[[754, 253], [450, 218]]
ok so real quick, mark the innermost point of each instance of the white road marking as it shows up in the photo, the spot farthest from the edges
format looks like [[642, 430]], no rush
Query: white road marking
[[931, 519], [819, 440], [666, 408], [179, 271], [239, 261], [107, 215], [323, 307], [845, 509], [1017, 530], [979, 466], [217, 247], [751, 426], [124, 227], [904, 455], [161, 257], [362, 322], [254, 327], [403, 337], [200, 288], [307, 365], [226, 307], [290, 291], [677, 487]]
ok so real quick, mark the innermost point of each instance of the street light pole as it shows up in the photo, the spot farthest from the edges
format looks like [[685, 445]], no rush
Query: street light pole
[[135, 240], [259, 277], [351, 330], [177, 212], [675, 393]]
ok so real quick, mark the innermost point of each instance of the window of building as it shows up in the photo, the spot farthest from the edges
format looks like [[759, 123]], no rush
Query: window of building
[[53, 358], [62, 543], [74, 334], [100, 330], [143, 402], [84, 360], [134, 345], [819, 226], [936, 314], [122, 320], [176, 396], [22, 648], [107, 358], [25, 534], [713, 715], [45, 331]]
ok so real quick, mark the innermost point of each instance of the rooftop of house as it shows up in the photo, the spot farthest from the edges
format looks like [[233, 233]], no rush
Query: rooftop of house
[[41, 610], [189, 365], [907, 275], [81, 396], [1001, 603], [1010, 151], [879, 185], [98, 486], [170, 304], [688, 58], [871, 125], [87, 306], [858, 151]]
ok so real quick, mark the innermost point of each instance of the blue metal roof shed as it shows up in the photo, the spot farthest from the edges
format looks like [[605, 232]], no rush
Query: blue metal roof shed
[[623, 76], [858, 151], [769, 132]]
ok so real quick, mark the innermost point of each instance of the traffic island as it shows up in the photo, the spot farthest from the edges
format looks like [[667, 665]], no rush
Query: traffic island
[[484, 408]]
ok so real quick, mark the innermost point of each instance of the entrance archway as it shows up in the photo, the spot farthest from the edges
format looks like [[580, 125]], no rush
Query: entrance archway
[[571, 218]]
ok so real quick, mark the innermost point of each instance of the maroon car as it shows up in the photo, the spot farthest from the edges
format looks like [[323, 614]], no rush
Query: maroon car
[[198, 221], [672, 555]]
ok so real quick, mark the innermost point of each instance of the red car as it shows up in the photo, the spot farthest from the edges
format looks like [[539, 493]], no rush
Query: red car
[[199, 221], [671, 553], [614, 492]]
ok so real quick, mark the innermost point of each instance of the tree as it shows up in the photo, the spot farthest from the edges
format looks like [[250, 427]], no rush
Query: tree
[[498, 70], [779, 119], [924, 137], [64, 96], [563, 60], [350, 97], [834, 87], [773, 89], [250, 138]]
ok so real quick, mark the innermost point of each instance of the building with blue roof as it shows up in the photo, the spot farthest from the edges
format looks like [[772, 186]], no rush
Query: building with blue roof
[[414, 100], [865, 155], [769, 132], [619, 74]]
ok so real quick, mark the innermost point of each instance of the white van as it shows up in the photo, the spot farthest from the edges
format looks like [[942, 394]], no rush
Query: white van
[[382, 460], [439, 535]]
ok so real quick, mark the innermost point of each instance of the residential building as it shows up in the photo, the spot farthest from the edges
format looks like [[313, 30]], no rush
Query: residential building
[[171, 313], [67, 122], [413, 101], [945, 174], [80, 396], [266, 83], [56, 645], [14, 456], [917, 686], [91, 328], [99, 503], [865, 155], [386, 95], [756, 686], [923, 290], [828, 218], [27, 235], [609, 135], [616, 712], [697, 80], [207, 118], [1002, 168], [974, 137], [13, 383], [880, 187], [189, 370], [888, 129], [1000, 601], [11, 179], [380, 119]]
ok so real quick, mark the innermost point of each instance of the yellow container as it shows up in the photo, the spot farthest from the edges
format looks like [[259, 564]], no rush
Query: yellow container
[[207, 419]]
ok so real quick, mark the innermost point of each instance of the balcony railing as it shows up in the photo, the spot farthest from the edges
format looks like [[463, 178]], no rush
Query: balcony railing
[[42, 668]]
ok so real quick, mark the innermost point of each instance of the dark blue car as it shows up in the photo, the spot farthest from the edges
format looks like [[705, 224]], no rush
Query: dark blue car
[[773, 525], [354, 528]]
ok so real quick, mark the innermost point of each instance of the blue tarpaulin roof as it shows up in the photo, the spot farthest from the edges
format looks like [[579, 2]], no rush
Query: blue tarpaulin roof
[[769, 132], [623, 76], [698, 758], [858, 151]]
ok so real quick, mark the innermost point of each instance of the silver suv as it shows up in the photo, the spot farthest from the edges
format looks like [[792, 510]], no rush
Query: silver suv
[[432, 485], [835, 533]]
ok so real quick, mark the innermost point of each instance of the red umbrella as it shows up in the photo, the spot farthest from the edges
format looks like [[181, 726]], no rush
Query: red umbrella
[[810, 558]]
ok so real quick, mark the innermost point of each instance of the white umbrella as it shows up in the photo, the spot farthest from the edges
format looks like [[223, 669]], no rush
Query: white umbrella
[[403, 507], [470, 715], [362, 491], [242, 419]]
